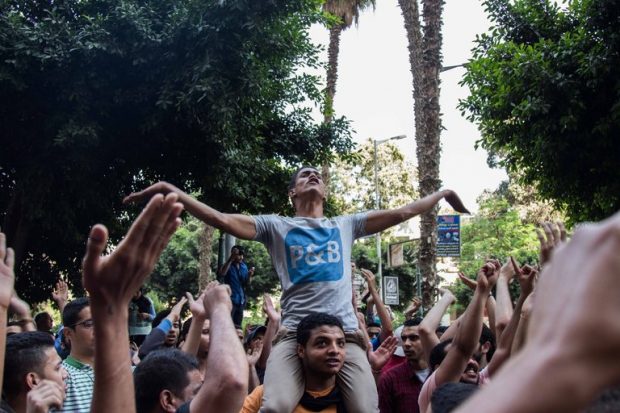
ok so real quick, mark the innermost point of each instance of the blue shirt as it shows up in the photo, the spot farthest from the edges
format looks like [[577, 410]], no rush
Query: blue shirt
[[237, 277]]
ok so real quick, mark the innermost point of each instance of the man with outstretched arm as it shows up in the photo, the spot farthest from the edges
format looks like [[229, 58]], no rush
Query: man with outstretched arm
[[312, 255]]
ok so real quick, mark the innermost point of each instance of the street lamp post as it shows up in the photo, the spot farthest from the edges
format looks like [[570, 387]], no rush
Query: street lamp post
[[378, 142]]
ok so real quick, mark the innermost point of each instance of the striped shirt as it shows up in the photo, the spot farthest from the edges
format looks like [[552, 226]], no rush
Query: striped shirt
[[80, 384]]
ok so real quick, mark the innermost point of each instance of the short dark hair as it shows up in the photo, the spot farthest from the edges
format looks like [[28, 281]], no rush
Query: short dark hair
[[312, 321], [25, 353], [40, 318], [438, 353], [161, 370], [412, 322], [293, 180], [70, 315], [447, 397], [487, 335], [239, 248], [373, 324]]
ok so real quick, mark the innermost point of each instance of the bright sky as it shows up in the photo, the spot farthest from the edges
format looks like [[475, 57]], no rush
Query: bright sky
[[374, 89]]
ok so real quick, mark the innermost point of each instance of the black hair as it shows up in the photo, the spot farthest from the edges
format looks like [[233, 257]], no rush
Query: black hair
[[70, 315], [161, 370], [447, 397], [487, 335], [293, 180], [185, 329], [159, 317], [25, 353], [441, 329], [312, 321], [373, 324], [412, 322], [438, 353], [239, 248], [40, 318]]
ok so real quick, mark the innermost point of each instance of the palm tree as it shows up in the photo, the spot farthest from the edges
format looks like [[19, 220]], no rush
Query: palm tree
[[348, 12], [425, 61]]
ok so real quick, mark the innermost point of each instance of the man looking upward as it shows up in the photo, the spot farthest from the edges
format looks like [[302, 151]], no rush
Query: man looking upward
[[311, 255]]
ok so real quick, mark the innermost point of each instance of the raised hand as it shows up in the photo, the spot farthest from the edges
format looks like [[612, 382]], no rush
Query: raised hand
[[217, 295], [550, 236], [146, 194], [455, 202], [253, 353], [471, 284], [175, 312], [381, 356], [196, 306], [526, 276], [507, 271], [7, 276], [369, 277], [45, 396], [116, 277], [60, 293], [269, 309], [487, 275]]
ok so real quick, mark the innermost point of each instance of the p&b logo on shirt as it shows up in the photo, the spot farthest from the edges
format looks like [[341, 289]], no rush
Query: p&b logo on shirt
[[314, 255]]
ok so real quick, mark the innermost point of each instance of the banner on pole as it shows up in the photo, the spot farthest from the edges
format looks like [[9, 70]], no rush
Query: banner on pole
[[390, 288]]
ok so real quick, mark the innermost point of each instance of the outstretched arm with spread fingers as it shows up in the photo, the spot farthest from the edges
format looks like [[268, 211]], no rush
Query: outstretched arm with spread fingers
[[428, 326], [111, 282], [239, 225], [378, 221]]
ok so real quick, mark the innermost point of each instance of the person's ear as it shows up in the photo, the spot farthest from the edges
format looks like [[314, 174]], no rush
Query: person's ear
[[32, 380], [486, 347], [301, 351], [67, 332], [166, 401]]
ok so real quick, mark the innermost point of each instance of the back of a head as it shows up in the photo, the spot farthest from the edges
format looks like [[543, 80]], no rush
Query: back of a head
[[161, 370], [412, 322], [437, 354], [447, 397], [486, 335], [25, 353], [312, 321], [70, 315], [41, 320]]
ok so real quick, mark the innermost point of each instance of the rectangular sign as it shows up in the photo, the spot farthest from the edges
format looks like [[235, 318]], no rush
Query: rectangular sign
[[448, 236], [390, 290], [396, 257]]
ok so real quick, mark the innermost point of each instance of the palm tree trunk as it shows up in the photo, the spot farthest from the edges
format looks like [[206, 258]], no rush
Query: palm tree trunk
[[330, 89], [425, 61], [205, 244]]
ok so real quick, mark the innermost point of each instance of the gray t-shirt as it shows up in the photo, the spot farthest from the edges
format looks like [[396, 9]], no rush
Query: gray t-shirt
[[312, 257]]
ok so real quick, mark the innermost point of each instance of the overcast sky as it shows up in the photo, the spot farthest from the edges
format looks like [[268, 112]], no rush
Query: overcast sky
[[374, 89]]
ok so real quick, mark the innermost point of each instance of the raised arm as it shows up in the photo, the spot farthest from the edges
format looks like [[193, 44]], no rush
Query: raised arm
[[60, 295], [272, 329], [239, 225], [503, 312], [431, 321], [380, 220], [468, 334], [226, 383], [382, 312], [526, 277], [199, 315], [111, 282], [7, 281]]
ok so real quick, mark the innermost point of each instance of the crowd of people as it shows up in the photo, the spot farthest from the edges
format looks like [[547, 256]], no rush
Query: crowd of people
[[333, 346]]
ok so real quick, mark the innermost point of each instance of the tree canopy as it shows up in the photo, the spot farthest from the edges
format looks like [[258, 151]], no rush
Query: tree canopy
[[103, 97], [545, 93]]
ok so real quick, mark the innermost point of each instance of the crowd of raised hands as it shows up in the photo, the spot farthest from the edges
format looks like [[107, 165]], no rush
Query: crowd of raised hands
[[555, 347]]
